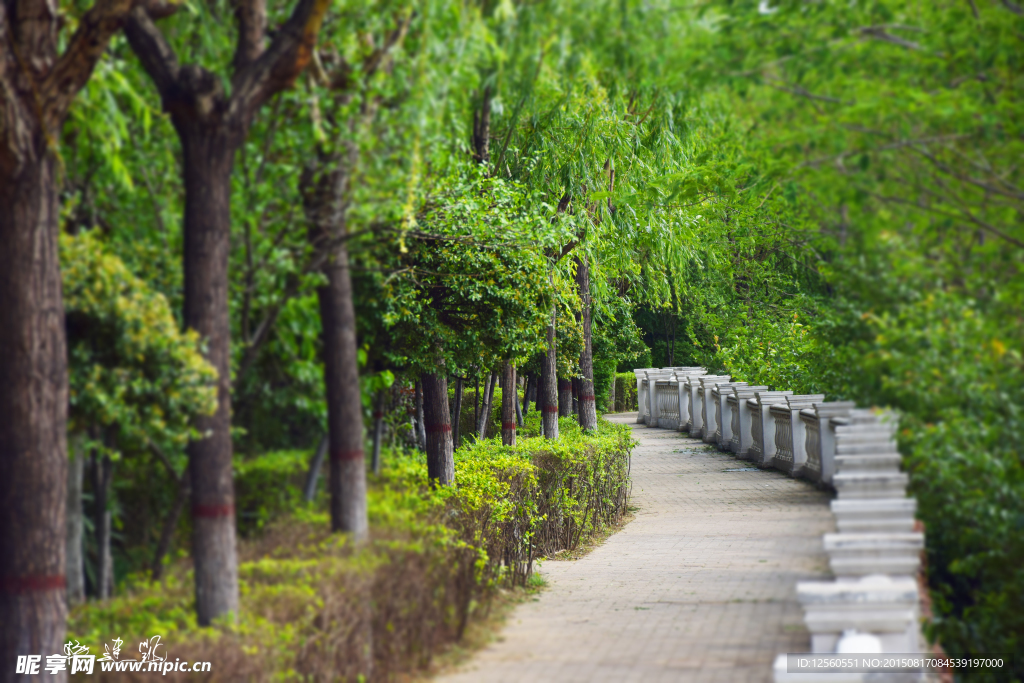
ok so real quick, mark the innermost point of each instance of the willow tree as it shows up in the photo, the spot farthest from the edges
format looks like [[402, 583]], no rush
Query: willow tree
[[467, 290]]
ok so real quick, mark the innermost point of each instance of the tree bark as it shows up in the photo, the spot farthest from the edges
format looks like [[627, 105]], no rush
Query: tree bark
[[211, 127], [518, 406], [527, 389], [37, 85], [509, 402], [564, 397], [208, 159], [102, 476], [313, 474], [588, 405], [33, 402], [344, 403], [378, 428], [421, 434], [549, 418], [440, 458], [457, 417], [170, 526], [485, 412], [76, 525]]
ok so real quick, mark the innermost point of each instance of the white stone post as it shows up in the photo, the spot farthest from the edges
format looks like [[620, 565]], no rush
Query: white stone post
[[707, 405], [640, 407], [723, 418], [790, 438], [762, 426], [741, 418], [820, 444]]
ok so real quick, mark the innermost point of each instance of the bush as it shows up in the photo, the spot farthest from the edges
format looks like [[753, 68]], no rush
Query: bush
[[313, 607]]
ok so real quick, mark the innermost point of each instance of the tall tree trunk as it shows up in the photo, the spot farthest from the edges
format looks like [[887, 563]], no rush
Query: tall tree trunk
[[457, 417], [588, 405], [378, 427], [170, 526], [564, 397], [344, 403], [33, 403], [313, 473], [102, 475], [531, 380], [211, 127], [38, 83], [518, 405], [495, 378], [208, 158], [549, 418], [440, 459], [76, 525], [485, 413], [509, 401], [421, 434]]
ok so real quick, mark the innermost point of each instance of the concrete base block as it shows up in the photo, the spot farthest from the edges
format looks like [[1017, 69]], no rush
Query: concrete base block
[[856, 555], [874, 515]]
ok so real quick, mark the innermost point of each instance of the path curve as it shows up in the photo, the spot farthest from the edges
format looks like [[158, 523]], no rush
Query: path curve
[[700, 586]]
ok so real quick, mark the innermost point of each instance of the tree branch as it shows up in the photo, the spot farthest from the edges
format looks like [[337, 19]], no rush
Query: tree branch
[[280, 64], [153, 50], [251, 17], [75, 66]]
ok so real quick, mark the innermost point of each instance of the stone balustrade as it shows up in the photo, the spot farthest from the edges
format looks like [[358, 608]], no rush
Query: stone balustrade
[[873, 604], [723, 420], [686, 395], [740, 416], [790, 439], [820, 440], [762, 426], [641, 378], [876, 553], [666, 398], [704, 404]]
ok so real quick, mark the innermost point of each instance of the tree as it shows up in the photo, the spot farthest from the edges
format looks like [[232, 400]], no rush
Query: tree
[[211, 126], [37, 86]]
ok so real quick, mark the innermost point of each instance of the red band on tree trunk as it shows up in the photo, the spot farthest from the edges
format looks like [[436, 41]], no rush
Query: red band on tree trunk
[[508, 425], [550, 409], [377, 416], [438, 429], [587, 397], [347, 456], [31, 584], [210, 511]]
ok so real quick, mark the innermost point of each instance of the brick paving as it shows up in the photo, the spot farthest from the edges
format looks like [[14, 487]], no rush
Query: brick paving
[[700, 586]]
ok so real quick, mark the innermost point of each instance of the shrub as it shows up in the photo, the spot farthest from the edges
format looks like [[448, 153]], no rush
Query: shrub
[[314, 607]]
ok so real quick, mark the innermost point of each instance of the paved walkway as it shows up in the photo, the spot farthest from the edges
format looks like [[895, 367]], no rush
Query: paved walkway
[[700, 586]]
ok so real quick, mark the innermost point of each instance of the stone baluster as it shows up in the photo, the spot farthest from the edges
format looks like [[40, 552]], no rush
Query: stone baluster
[[723, 419], [873, 605], [867, 471], [683, 387], [820, 441], [762, 426], [741, 418], [790, 439], [704, 408], [641, 408]]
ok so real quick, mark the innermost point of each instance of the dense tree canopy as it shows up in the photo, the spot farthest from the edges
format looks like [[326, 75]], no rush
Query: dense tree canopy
[[816, 196]]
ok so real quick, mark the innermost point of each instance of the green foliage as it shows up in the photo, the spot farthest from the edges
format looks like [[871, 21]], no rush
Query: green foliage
[[131, 369], [311, 603]]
